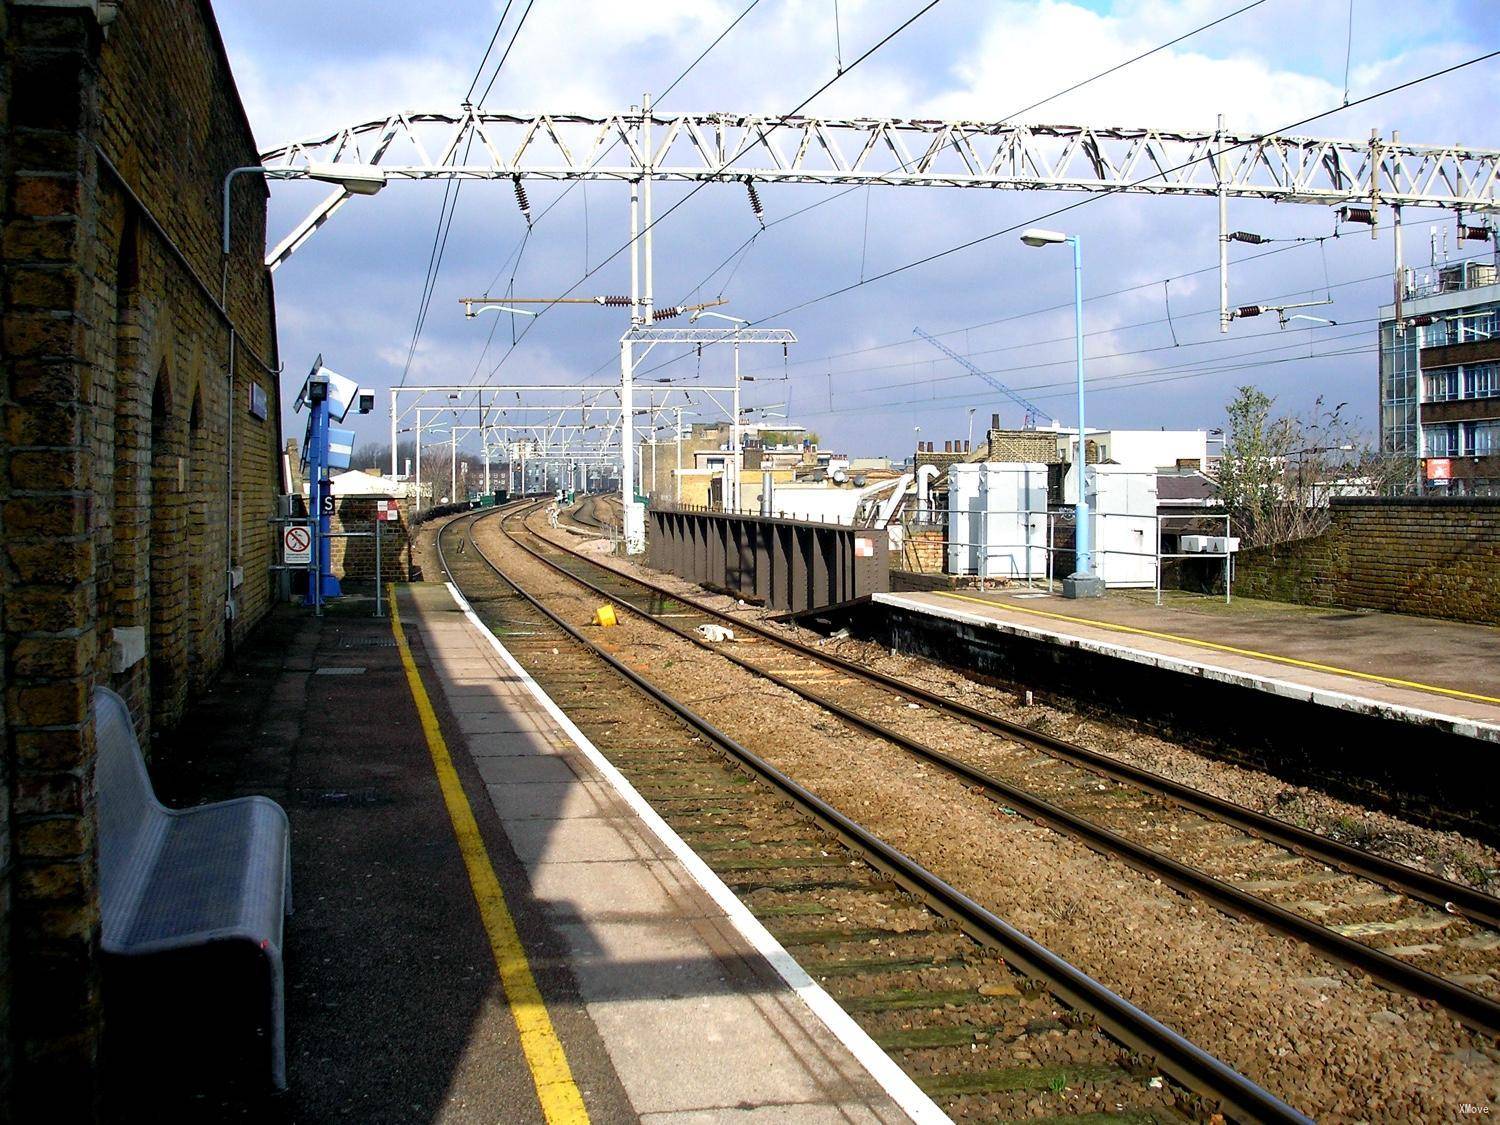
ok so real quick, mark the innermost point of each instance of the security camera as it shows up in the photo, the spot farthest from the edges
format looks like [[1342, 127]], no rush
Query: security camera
[[366, 401], [317, 386]]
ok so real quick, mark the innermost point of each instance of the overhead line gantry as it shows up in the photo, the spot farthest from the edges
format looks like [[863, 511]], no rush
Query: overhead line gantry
[[642, 145]]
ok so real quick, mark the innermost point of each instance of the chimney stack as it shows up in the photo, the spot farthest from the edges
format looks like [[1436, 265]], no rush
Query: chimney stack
[[994, 421], [947, 447], [966, 445]]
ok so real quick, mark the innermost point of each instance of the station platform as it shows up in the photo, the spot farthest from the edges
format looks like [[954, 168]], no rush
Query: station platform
[[491, 925], [1441, 675]]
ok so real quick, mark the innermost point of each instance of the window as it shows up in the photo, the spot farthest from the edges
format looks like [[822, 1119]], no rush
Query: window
[[1399, 389], [1475, 326], [1482, 439], [1462, 329], [1440, 441], [1441, 385], [1482, 380]]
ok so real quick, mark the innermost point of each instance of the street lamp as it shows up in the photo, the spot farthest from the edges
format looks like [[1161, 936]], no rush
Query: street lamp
[[734, 425], [356, 179], [1083, 582]]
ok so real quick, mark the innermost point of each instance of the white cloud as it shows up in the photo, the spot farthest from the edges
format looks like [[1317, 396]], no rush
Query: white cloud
[[355, 287]]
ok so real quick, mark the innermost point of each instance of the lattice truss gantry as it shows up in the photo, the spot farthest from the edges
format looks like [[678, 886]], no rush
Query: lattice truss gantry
[[724, 146], [563, 419]]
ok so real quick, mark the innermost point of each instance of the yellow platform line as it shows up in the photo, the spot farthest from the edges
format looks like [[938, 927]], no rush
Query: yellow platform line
[[1293, 661], [555, 1089]]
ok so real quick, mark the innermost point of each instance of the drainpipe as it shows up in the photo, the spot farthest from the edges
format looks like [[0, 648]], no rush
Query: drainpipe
[[229, 613]]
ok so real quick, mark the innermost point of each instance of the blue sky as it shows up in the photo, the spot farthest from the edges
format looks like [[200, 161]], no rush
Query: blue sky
[[353, 291]]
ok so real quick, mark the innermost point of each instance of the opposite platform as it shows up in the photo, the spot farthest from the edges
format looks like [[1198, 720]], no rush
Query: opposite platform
[[1440, 675]]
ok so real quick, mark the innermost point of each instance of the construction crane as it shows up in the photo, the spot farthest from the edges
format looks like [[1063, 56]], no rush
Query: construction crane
[[1033, 412]]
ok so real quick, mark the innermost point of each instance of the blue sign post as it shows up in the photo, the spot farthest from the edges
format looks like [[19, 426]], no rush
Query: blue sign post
[[328, 396]]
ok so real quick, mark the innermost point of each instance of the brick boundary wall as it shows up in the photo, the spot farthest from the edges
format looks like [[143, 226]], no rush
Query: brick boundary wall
[[1436, 557], [355, 558], [136, 483]]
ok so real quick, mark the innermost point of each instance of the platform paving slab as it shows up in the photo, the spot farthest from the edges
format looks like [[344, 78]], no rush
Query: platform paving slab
[[394, 1012], [694, 1021]]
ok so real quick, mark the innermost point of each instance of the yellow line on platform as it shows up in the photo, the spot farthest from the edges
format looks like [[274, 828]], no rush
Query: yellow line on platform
[[555, 1089], [1331, 668]]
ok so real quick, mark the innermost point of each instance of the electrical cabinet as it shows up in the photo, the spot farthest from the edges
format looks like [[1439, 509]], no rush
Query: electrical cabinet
[[1122, 522], [997, 519]]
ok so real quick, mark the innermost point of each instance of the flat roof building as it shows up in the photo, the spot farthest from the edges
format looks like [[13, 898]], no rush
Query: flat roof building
[[1440, 380]]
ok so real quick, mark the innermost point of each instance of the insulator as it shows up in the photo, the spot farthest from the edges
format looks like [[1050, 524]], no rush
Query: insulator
[[1249, 310], [614, 302], [667, 313], [1473, 234], [755, 205], [522, 201], [1364, 215], [1248, 236]]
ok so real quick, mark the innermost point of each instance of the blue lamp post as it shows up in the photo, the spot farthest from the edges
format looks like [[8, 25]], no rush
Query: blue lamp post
[[1083, 582]]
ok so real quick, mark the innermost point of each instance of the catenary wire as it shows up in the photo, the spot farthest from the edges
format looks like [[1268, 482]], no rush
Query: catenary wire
[[1109, 192]]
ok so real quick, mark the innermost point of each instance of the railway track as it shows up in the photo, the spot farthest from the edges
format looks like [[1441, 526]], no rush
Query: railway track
[[593, 513], [910, 957], [1414, 931]]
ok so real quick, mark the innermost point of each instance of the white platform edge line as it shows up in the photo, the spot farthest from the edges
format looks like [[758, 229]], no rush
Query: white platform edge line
[[1474, 728], [907, 1095]]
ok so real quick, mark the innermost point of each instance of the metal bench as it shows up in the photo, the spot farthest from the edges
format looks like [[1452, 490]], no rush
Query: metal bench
[[179, 880]]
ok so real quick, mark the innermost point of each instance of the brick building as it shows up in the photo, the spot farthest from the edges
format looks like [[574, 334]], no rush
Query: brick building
[[137, 474]]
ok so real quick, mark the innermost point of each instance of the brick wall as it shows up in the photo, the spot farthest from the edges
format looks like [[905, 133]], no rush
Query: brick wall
[[355, 558], [923, 551], [133, 477], [7, 1046], [1023, 445], [1433, 557]]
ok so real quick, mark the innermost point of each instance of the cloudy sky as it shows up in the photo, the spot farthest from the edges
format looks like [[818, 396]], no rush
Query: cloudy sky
[[857, 376]]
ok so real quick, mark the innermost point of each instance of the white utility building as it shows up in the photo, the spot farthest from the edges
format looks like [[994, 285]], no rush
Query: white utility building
[[1122, 524], [997, 519]]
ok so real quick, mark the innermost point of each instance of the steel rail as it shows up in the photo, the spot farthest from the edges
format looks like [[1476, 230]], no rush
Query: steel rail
[[1454, 898], [1472, 1008], [1178, 1057]]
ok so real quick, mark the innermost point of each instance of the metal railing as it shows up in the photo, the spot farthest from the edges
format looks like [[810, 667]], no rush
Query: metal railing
[[310, 567], [984, 550]]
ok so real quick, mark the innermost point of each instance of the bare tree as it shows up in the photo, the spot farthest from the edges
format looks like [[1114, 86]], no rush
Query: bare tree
[[376, 455], [1277, 474]]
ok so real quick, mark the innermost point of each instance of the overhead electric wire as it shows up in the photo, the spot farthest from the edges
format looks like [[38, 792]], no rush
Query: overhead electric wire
[[906, 341], [1108, 192], [569, 189], [450, 199], [1111, 330], [493, 39], [1109, 381], [782, 120], [1130, 61], [705, 52], [514, 35], [1016, 113]]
